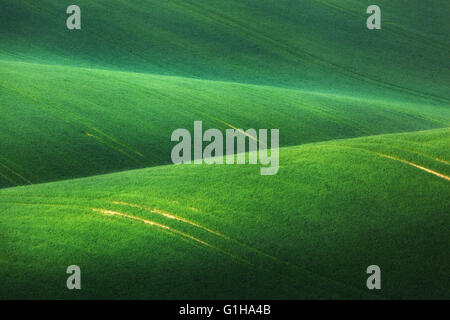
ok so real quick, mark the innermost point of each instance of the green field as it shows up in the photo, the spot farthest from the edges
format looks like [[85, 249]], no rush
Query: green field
[[86, 175], [296, 241], [66, 122]]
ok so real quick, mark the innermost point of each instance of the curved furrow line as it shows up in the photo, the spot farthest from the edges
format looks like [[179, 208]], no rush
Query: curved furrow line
[[440, 175], [262, 38], [394, 28], [239, 243]]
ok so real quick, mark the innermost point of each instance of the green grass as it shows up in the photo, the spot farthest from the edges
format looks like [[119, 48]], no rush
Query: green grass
[[308, 232], [314, 44], [65, 122], [86, 117]]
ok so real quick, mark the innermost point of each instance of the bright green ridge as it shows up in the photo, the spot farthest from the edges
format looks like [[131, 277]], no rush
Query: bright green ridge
[[308, 232], [311, 44], [64, 122]]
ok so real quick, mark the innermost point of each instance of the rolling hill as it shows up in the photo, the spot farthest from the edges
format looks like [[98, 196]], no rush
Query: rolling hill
[[311, 44], [65, 122], [199, 231], [86, 177]]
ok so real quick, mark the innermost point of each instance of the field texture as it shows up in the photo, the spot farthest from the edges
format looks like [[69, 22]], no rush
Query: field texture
[[86, 177]]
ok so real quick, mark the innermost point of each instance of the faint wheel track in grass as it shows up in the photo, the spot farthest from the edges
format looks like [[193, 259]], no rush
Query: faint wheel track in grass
[[262, 38], [112, 146], [330, 114], [72, 120], [403, 148], [241, 244], [151, 223], [9, 179], [395, 28], [243, 132], [440, 175], [441, 160], [170, 216], [101, 36], [16, 173], [183, 236], [171, 230], [146, 221], [120, 143], [305, 272]]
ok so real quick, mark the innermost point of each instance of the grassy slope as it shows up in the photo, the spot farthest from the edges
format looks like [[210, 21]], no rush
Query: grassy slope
[[62, 122], [309, 44], [65, 122], [310, 231], [334, 208]]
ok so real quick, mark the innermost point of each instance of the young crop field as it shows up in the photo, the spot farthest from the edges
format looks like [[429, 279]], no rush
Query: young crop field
[[87, 176]]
